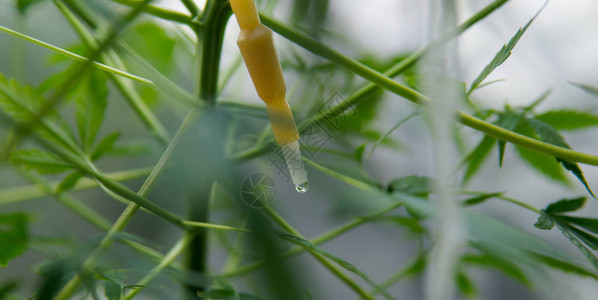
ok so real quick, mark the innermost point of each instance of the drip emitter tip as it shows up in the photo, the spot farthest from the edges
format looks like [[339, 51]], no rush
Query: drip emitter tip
[[258, 51]]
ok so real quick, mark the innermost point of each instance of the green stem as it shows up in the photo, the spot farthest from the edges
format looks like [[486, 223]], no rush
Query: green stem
[[418, 98], [161, 13], [71, 287], [30, 192], [168, 259], [325, 262], [370, 88], [127, 90], [323, 238], [75, 56]]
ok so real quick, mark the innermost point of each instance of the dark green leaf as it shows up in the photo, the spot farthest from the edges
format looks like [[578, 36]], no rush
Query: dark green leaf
[[568, 119], [359, 153], [550, 135], [14, 236], [415, 185], [586, 223], [585, 237], [69, 182], [508, 121], [466, 285], [479, 199], [501, 56], [105, 145], [113, 290], [590, 256], [477, 156], [42, 161], [218, 294], [23, 5], [544, 222], [565, 205], [91, 104]]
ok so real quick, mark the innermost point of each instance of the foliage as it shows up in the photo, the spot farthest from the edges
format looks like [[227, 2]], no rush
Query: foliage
[[63, 132]]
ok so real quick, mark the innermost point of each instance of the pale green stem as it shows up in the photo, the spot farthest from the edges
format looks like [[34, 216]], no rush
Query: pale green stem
[[75, 56], [161, 13], [168, 259], [30, 192], [325, 262]]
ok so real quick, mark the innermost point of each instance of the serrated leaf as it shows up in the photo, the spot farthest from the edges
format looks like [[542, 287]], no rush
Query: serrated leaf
[[105, 145], [585, 223], [544, 222], [341, 262], [91, 104], [568, 119], [413, 184], [565, 205], [585, 237], [590, 256], [69, 182], [479, 199], [550, 135], [42, 161], [14, 236], [502, 55]]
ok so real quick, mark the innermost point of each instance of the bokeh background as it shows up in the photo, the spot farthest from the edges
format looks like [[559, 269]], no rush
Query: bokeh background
[[560, 47]]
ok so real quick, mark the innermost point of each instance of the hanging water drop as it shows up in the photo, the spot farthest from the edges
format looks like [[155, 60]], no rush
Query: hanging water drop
[[302, 188]]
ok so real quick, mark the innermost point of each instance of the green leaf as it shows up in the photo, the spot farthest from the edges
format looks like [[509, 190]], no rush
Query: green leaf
[[542, 163], [563, 265], [91, 104], [14, 236], [466, 285], [568, 119], [413, 184], [113, 290], [105, 145], [42, 161], [479, 199], [573, 239], [587, 88], [69, 182], [23, 5], [359, 153], [502, 55], [565, 205], [505, 266], [550, 135], [477, 156], [544, 222], [585, 237], [157, 44], [218, 294], [585, 223], [341, 262], [508, 121], [412, 224]]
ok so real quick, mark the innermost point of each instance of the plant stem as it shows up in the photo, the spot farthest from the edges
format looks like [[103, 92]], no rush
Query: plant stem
[[332, 268], [30, 192], [127, 90], [70, 288], [161, 13], [323, 238], [168, 259]]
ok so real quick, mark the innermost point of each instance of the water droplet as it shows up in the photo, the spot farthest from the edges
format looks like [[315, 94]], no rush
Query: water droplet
[[302, 188]]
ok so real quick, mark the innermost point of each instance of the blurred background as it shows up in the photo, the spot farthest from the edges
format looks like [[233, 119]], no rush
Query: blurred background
[[559, 48]]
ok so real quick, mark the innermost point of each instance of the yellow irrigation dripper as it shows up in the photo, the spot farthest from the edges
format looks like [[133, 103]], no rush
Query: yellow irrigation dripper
[[258, 51]]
